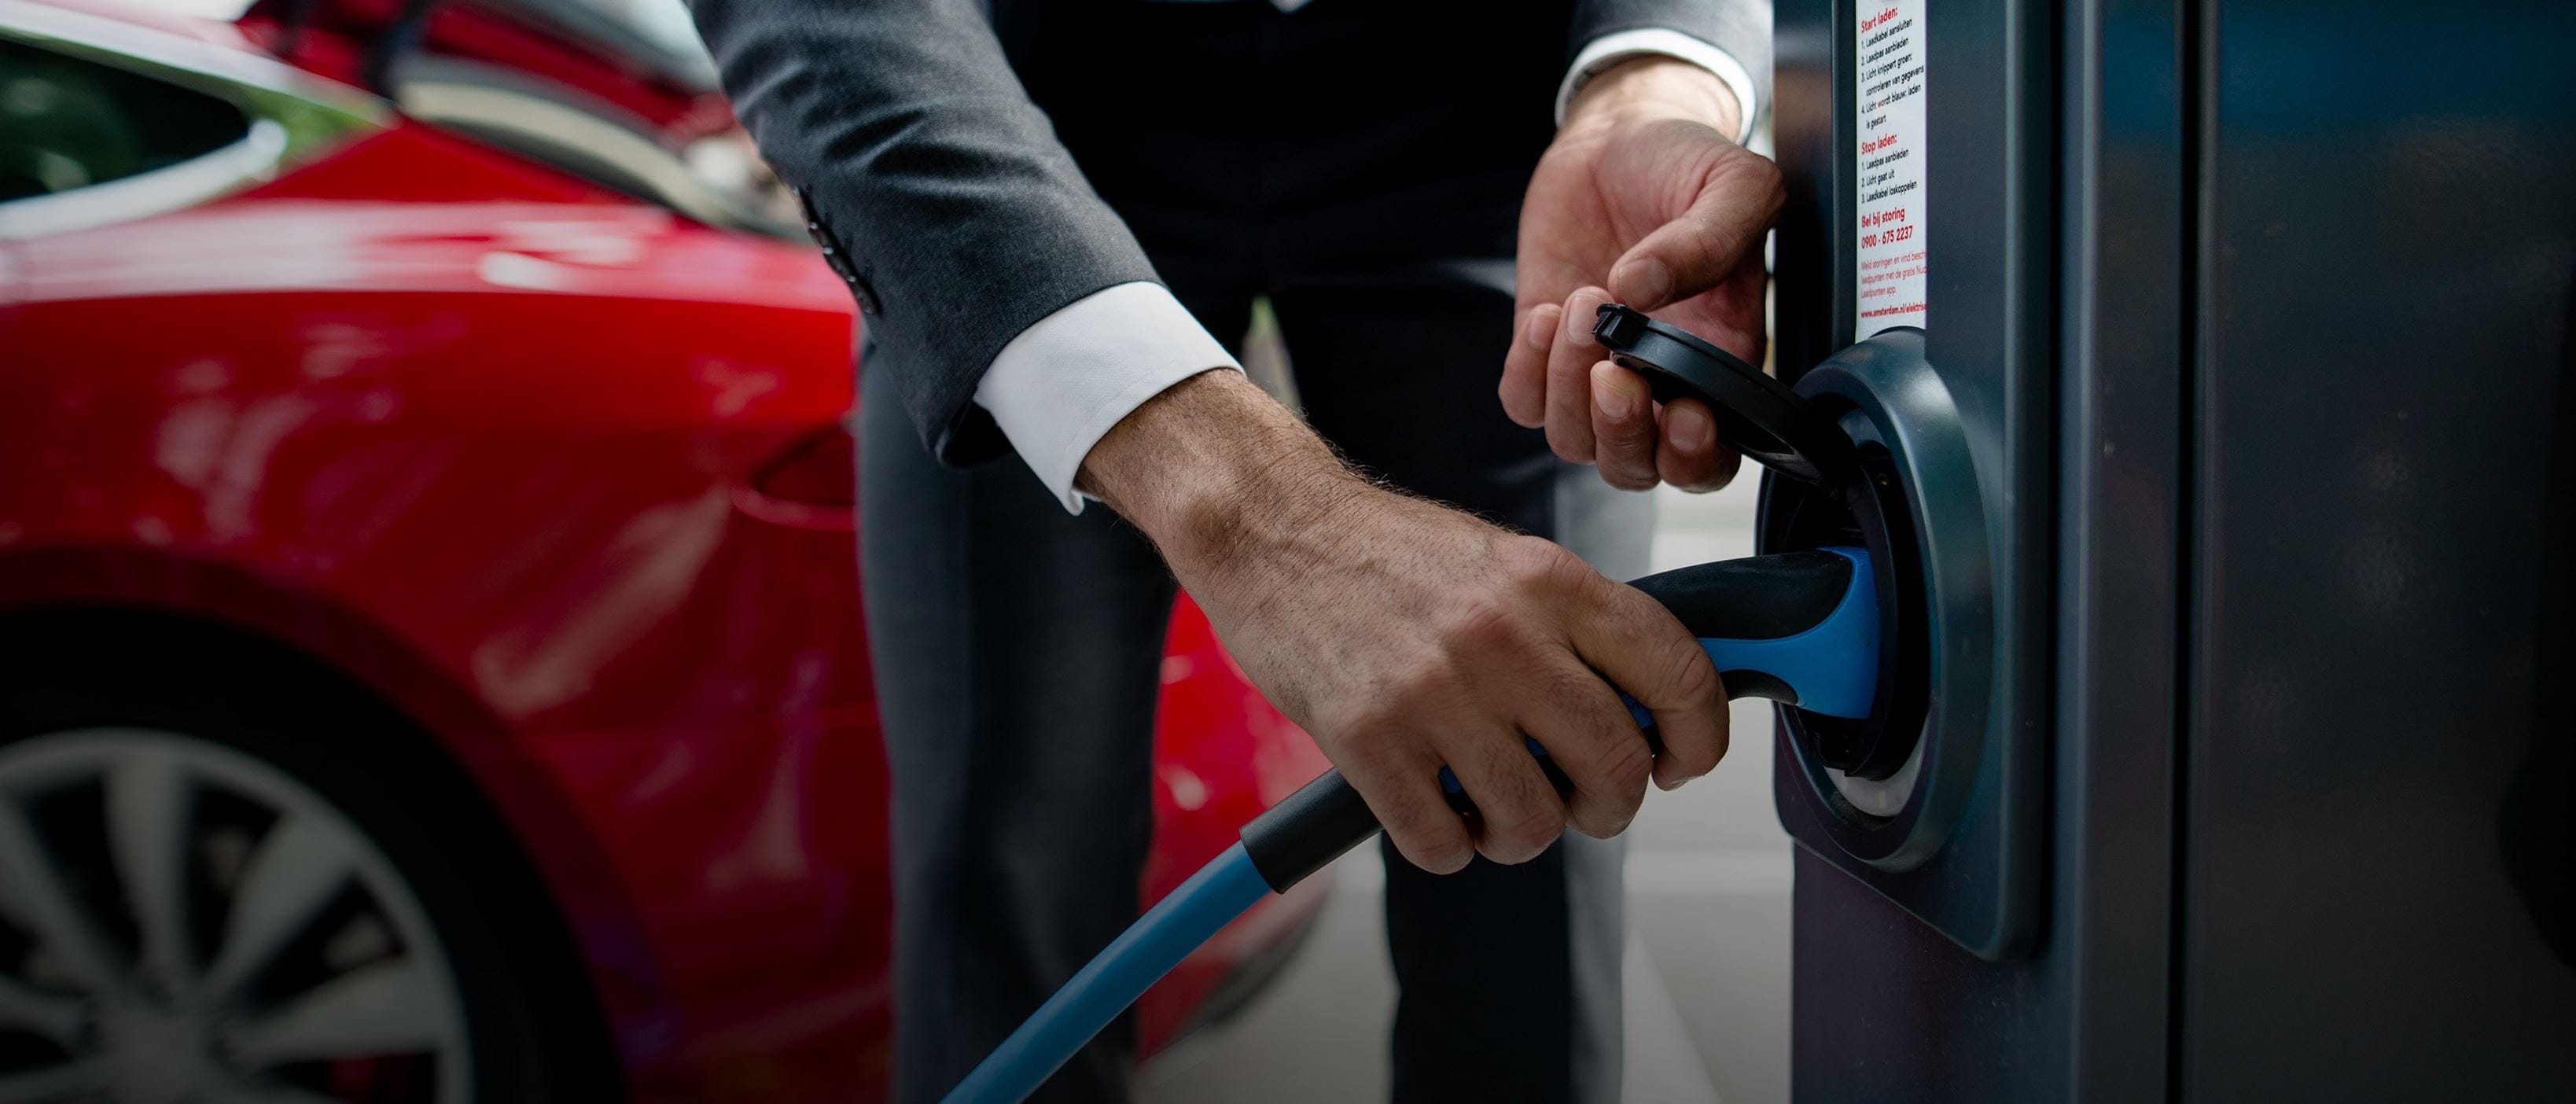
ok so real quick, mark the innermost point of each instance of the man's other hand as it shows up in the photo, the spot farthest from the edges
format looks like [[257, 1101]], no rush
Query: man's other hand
[[1644, 200], [1407, 636]]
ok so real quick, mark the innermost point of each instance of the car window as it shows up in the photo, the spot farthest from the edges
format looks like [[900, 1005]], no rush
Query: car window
[[66, 123]]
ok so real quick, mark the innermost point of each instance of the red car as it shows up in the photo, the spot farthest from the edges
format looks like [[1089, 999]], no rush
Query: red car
[[430, 653]]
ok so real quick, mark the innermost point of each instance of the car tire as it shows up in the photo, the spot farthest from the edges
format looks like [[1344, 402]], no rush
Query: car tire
[[250, 884]]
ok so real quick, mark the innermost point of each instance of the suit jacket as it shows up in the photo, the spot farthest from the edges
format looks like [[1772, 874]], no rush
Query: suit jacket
[[939, 189]]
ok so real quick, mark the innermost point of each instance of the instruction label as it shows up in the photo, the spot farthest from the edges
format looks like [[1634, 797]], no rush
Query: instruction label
[[1887, 85]]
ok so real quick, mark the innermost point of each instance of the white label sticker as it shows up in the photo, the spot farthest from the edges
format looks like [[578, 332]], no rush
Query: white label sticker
[[1887, 82]]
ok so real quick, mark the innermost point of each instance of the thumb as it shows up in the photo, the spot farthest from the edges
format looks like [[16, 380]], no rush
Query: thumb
[[1693, 254]]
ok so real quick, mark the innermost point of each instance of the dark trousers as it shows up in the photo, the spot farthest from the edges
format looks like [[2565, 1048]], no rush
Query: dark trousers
[[1370, 187], [1017, 653]]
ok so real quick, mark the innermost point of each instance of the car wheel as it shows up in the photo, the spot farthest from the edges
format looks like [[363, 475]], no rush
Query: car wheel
[[255, 909]]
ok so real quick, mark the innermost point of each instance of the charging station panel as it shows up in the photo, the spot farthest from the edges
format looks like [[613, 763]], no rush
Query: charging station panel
[[2254, 319], [1909, 258]]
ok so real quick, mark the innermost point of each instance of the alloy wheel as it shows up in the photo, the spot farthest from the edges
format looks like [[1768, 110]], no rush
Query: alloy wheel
[[181, 922]]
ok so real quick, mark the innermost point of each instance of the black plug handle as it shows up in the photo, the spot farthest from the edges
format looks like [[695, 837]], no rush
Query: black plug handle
[[1762, 417]]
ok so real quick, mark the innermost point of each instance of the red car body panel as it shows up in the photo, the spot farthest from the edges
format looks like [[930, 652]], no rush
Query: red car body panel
[[554, 472]]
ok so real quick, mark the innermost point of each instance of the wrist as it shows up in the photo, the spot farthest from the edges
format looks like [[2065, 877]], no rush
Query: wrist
[[1211, 468], [1656, 86]]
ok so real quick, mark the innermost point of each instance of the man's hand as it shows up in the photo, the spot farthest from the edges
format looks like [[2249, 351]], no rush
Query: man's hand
[[1406, 636], [1643, 194]]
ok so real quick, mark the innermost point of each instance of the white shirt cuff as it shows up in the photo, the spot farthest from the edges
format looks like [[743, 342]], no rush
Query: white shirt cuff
[[1063, 383], [1601, 53]]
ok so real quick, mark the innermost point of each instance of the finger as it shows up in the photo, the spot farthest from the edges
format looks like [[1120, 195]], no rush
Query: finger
[[1404, 792], [1623, 427], [1696, 252], [1524, 386], [1595, 741], [1641, 648], [1688, 454], [1519, 811], [1569, 371]]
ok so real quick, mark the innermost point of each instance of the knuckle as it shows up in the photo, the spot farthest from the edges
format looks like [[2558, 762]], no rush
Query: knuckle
[[1752, 171], [1627, 477], [1541, 571], [1565, 444], [1372, 741], [1543, 315], [1628, 444], [1638, 435], [1567, 366], [1528, 828], [1530, 561], [1620, 774], [1434, 852], [1485, 623], [1428, 685], [1569, 682], [1775, 193], [1340, 728], [1611, 790], [1769, 178], [1688, 672], [1601, 820], [1422, 826]]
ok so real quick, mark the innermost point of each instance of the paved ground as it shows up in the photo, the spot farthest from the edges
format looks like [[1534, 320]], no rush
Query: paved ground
[[1707, 966]]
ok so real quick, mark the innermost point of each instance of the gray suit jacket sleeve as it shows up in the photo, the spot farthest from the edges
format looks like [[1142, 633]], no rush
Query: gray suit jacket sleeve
[[961, 219], [1742, 28], [957, 217]]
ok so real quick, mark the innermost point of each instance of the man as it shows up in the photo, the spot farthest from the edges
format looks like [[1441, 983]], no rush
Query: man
[[1056, 217]]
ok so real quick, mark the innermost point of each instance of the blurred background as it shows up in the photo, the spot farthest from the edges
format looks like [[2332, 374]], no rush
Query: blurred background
[[430, 664]]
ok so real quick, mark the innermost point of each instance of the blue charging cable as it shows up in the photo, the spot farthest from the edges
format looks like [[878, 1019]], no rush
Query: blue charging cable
[[1113, 979], [1797, 627]]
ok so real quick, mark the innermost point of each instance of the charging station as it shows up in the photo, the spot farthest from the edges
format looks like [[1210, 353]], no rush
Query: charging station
[[2211, 366], [2163, 580]]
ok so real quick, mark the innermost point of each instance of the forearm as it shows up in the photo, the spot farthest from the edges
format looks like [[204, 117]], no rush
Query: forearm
[[1214, 471]]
